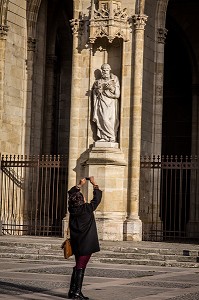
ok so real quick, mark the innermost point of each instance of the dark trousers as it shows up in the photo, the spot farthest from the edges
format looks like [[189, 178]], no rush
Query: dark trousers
[[81, 261]]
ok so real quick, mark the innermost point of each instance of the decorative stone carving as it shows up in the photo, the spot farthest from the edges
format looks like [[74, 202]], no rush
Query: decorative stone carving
[[3, 31], [31, 44], [109, 20], [3, 18], [161, 35], [140, 21], [77, 25]]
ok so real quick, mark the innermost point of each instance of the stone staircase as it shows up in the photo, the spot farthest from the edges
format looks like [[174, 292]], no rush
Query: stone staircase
[[135, 253], [150, 256]]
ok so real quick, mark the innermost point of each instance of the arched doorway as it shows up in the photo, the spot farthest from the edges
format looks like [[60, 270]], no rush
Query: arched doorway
[[58, 78], [52, 78], [178, 122], [51, 101]]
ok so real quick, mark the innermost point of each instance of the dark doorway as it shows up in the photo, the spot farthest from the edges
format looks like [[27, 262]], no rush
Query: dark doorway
[[176, 128], [52, 100], [177, 104], [58, 70]]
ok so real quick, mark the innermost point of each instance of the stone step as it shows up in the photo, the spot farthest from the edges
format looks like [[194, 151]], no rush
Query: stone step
[[104, 256], [127, 261], [32, 256], [140, 250], [143, 254], [151, 256], [57, 252], [108, 251], [163, 251], [167, 263]]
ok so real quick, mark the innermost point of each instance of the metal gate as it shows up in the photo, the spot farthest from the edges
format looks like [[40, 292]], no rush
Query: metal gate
[[33, 194], [169, 198]]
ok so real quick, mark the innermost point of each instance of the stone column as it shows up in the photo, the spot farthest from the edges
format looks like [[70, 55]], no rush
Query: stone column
[[133, 228], [31, 46], [75, 98], [151, 205], [75, 103], [3, 36], [158, 100]]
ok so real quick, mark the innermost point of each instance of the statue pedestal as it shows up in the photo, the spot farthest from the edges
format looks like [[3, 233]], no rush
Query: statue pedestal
[[106, 145], [107, 165], [133, 229]]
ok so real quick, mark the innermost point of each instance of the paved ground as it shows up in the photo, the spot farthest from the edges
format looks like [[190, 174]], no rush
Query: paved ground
[[41, 280]]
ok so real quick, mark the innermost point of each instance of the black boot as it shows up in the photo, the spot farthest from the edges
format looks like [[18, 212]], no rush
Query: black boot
[[79, 280], [72, 284]]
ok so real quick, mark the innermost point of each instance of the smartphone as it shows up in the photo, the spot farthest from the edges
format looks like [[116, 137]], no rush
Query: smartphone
[[87, 178]]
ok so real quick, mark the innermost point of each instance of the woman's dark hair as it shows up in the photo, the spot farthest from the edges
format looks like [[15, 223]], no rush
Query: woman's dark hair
[[75, 199]]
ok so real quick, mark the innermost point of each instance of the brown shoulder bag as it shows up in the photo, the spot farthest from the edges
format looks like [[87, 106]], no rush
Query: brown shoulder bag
[[66, 246]]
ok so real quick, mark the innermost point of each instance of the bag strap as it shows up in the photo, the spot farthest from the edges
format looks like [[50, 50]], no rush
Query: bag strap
[[68, 231]]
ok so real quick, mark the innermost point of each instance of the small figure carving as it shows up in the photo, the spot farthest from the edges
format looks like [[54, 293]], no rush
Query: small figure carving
[[106, 93]]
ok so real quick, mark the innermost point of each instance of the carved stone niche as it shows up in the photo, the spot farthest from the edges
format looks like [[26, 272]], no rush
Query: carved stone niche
[[109, 20]]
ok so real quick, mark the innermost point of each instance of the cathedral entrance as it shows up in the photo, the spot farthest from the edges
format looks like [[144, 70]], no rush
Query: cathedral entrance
[[51, 100], [177, 189], [52, 78]]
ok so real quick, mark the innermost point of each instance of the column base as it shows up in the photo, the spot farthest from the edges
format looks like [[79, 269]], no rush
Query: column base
[[133, 230], [110, 226]]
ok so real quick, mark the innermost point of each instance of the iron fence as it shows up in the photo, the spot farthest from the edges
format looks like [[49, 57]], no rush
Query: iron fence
[[169, 198], [33, 191]]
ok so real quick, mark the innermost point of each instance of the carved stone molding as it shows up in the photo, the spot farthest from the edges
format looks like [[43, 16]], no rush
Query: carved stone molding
[[140, 21], [31, 44], [101, 48], [109, 20], [3, 18], [3, 31], [77, 25], [161, 35], [3, 11]]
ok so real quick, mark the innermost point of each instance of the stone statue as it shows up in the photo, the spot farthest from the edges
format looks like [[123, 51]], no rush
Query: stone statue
[[106, 92]]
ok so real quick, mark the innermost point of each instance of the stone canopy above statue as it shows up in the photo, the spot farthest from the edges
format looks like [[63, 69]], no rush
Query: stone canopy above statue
[[109, 20]]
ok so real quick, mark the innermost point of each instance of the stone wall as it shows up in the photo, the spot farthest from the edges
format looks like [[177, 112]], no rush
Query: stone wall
[[14, 99]]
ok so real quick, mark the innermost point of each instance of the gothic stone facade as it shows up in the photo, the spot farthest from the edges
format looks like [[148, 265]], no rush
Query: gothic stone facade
[[51, 52]]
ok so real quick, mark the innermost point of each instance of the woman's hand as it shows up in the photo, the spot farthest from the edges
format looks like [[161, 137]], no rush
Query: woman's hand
[[92, 181], [82, 182]]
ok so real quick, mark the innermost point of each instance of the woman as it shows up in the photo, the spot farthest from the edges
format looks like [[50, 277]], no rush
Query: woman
[[83, 233]]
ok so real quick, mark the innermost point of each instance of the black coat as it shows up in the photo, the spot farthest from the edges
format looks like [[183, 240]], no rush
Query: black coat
[[83, 230]]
